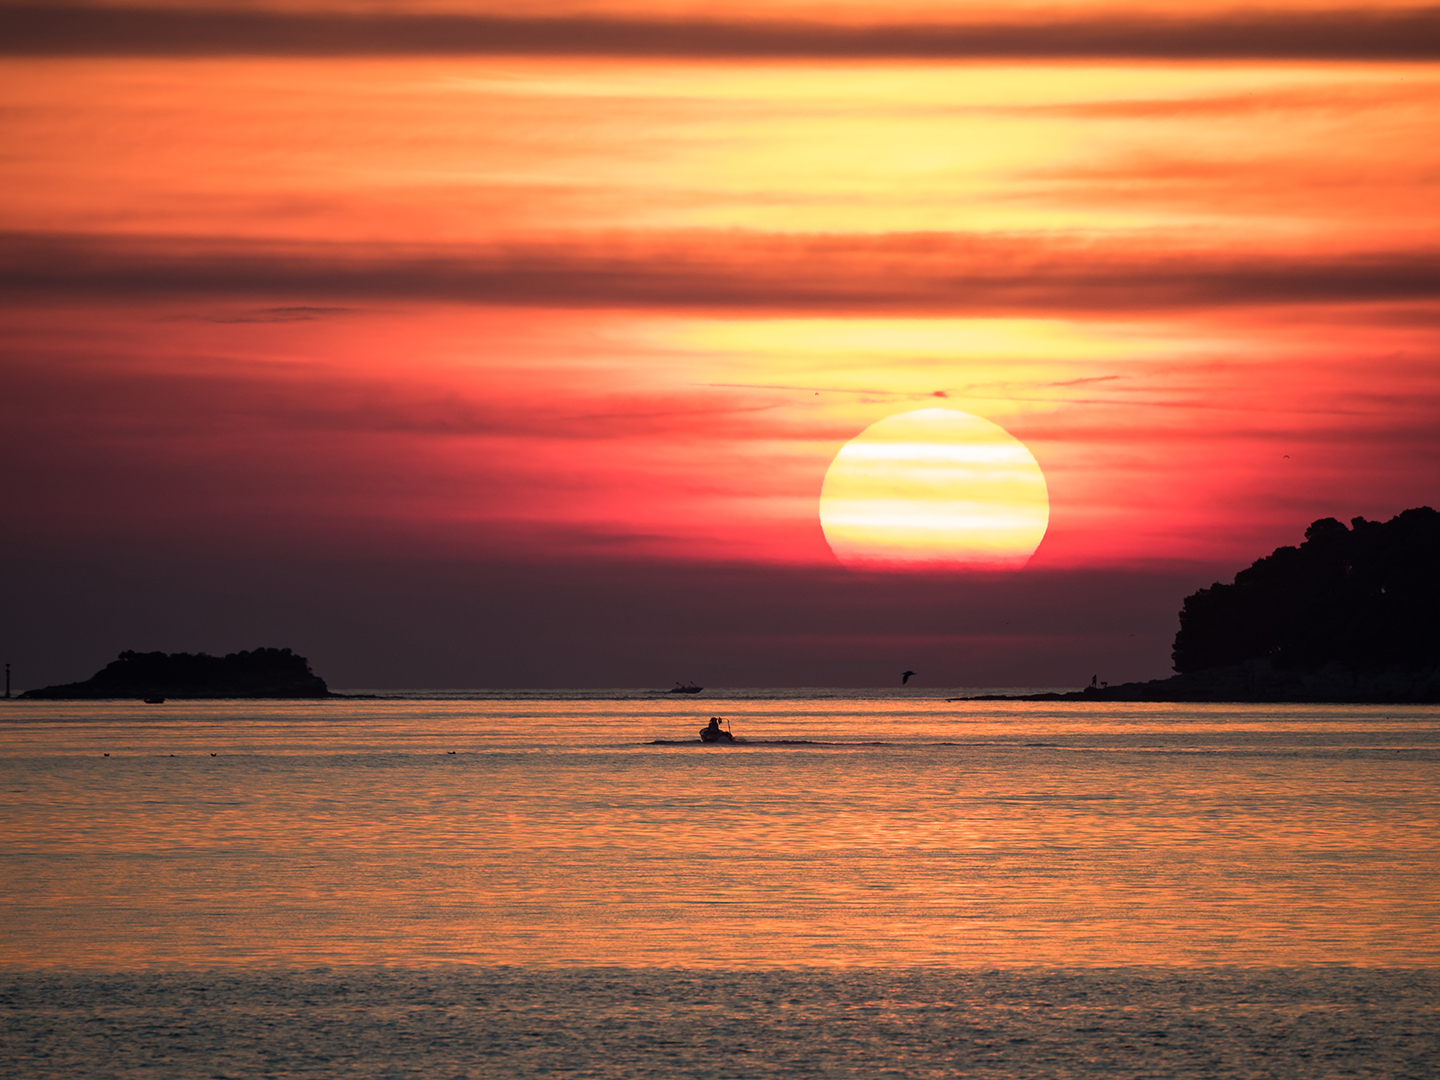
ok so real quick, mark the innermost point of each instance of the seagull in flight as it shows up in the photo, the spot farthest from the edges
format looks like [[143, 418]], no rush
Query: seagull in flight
[[905, 677]]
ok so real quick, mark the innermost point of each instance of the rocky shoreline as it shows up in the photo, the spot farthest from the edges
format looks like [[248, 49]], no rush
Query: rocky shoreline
[[1258, 681]]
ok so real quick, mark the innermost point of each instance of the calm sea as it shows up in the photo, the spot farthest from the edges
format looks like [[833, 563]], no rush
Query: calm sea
[[871, 884]]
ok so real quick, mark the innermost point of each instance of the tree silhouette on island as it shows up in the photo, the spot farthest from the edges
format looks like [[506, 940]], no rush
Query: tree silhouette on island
[[257, 673], [1350, 616], [1365, 598]]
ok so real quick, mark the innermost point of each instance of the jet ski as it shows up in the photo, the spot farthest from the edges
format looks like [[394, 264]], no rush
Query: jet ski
[[715, 733]]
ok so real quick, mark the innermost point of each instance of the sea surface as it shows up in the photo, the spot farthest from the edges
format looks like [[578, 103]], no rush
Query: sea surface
[[869, 884]]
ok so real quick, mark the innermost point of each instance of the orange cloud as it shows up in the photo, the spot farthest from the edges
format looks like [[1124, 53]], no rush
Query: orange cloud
[[1300, 32]]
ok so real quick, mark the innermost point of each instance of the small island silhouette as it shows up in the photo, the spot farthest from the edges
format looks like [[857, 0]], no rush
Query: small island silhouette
[[1352, 615], [257, 673]]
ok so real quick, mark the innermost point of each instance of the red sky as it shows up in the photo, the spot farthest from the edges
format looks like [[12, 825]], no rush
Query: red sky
[[454, 349]]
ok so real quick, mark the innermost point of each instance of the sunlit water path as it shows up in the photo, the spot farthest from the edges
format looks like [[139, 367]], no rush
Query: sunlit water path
[[485, 855]]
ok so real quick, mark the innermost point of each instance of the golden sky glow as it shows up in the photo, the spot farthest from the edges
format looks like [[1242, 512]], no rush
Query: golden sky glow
[[563, 301]]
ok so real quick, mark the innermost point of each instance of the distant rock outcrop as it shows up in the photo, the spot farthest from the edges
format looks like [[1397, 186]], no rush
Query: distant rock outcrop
[[1351, 615], [260, 673]]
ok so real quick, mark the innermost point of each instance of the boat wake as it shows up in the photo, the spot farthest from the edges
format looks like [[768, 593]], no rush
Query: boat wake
[[738, 741]]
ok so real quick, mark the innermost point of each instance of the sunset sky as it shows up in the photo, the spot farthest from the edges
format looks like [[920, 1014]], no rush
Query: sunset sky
[[452, 348]]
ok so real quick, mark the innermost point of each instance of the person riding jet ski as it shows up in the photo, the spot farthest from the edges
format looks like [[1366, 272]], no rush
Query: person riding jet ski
[[714, 733]]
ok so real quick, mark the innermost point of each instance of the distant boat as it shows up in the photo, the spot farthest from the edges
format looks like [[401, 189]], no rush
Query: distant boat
[[688, 688], [154, 701]]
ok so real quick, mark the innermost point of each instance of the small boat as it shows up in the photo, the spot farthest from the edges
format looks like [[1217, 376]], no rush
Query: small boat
[[154, 701], [688, 688]]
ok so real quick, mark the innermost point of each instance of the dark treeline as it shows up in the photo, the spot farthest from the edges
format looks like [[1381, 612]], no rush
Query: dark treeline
[[261, 673], [1366, 597]]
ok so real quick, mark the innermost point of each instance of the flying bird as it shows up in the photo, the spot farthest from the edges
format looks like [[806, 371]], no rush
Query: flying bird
[[905, 677]]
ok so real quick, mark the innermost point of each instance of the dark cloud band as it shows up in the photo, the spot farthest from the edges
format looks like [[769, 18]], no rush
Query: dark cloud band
[[899, 273], [1355, 34]]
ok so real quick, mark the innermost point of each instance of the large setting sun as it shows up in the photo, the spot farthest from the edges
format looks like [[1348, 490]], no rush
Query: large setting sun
[[934, 488]]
